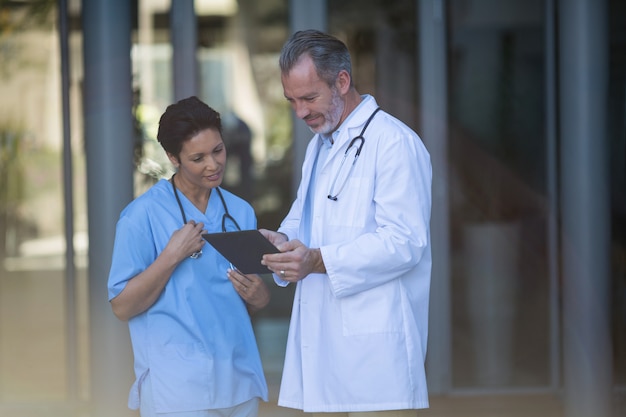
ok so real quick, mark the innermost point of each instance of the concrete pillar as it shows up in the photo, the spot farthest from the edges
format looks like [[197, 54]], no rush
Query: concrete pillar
[[585, 207], [184, 39], [434, 133], [304, 14], [71, 338], [107, 104]]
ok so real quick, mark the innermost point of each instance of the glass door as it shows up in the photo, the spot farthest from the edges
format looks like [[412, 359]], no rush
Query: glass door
[[499, 194]]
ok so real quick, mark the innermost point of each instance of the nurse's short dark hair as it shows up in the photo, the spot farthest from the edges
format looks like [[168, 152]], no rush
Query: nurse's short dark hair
[[183, 120], [329, 55]]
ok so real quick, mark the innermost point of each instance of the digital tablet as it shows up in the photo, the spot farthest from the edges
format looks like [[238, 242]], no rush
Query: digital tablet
[[244, 249]]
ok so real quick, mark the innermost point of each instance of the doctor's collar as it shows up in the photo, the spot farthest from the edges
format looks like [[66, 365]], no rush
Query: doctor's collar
[[329, 139]]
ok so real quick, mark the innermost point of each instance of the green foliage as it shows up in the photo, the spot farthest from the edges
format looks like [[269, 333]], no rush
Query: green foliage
[[17, 17], [11, 181], [21, 15], [11, 167]]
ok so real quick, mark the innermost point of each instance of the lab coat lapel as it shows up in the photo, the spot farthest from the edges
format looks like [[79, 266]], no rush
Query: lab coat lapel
[[307, 176]]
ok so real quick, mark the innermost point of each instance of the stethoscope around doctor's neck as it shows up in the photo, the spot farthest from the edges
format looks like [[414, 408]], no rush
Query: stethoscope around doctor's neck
[[225, 217], [357, 141]]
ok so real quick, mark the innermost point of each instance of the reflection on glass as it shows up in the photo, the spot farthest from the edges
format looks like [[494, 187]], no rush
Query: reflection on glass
[[498, 161], [497, 156], [33, 348]]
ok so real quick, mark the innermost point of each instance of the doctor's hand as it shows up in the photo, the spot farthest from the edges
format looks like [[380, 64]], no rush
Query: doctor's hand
[[275, 238], [295, 261], [251, 288]]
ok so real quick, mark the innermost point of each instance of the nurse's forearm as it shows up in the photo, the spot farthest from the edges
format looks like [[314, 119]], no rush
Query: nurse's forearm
[[145, 288]]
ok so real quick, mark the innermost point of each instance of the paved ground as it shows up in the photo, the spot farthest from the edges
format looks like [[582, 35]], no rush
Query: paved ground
[[463, 406], [33, 374]]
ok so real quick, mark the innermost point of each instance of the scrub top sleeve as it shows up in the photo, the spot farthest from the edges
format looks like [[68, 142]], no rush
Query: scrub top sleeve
[[133, 252]]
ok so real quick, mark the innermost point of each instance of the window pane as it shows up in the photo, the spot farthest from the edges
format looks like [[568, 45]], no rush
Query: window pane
[[499, 169], [34, 348]]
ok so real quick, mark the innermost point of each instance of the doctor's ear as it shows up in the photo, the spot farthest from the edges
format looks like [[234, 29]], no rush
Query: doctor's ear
[[343, 81]]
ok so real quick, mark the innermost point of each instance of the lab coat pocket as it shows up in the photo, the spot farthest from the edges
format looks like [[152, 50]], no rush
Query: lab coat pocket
[[377, 310], [350, 208]]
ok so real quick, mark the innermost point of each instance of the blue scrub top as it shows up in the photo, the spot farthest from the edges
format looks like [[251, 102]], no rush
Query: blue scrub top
[[196, 341]]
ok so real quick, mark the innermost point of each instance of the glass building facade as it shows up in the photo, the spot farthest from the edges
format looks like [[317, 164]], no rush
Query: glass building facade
[[488, 85]]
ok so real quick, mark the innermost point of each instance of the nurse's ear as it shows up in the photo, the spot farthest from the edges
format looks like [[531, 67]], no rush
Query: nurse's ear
[[174, 159]]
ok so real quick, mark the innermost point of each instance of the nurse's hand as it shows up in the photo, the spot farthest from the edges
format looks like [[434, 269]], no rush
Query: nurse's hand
[[187, 241], [295, 261], [251, 288]]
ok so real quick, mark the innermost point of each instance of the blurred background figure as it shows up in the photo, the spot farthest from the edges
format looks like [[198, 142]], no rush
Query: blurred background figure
[[238, 139]]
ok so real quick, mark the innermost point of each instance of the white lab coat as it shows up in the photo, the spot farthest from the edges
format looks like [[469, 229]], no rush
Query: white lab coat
[[357, 337]]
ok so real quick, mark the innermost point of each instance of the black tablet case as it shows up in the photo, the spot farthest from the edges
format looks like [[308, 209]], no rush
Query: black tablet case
[[244, 249]]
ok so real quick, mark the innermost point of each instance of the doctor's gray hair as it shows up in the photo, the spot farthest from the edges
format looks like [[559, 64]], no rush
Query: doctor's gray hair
[[329, 55]]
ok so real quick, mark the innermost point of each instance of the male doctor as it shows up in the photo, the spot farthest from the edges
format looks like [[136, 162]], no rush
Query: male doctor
[[357, 243]]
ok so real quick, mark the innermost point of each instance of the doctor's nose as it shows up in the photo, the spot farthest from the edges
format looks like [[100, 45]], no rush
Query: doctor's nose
[[301, 111]]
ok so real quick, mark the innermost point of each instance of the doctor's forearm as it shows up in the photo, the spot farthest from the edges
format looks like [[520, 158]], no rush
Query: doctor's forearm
[[318, 261]]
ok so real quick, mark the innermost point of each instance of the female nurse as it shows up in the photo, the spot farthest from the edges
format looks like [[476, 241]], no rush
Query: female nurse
[[188, 310]]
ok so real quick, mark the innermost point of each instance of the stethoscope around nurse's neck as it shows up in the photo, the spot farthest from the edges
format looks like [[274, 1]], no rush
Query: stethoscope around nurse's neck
[[333, 196], [225, 217]]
